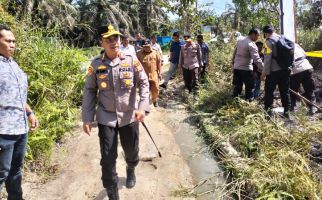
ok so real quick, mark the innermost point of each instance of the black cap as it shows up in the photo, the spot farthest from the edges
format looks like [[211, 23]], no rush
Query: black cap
[[199, 36], [268, 29], [145, 42]]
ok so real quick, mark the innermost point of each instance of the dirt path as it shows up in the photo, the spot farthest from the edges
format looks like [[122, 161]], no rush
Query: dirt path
[[79, 175]]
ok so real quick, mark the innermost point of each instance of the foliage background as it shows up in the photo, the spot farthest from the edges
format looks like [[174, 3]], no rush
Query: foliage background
[[55, 84]]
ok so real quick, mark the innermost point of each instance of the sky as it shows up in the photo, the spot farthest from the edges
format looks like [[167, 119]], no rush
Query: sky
[[219, 6]]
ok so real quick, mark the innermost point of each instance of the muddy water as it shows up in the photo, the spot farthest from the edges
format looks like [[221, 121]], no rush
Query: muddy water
[[202, 163]]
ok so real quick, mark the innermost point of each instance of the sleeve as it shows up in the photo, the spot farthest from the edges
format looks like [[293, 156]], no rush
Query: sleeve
[[268, 56], [207, 47], [171, 47], [160, 50], [199, 54], [253, 50], [89, 96], [181, 57], [234, 55], [142, 83], [159, 59]]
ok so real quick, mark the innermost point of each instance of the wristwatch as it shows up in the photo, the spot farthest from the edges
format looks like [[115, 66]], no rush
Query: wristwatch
[[29, 113]]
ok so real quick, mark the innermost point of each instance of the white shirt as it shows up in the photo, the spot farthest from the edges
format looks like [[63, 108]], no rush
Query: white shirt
[[157, 47], [128, 50]]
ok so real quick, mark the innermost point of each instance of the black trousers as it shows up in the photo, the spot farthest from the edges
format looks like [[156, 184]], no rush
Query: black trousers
[[108, 136], [202, 70], [191, 78], [280, 78], [241, 77], [304, 78]]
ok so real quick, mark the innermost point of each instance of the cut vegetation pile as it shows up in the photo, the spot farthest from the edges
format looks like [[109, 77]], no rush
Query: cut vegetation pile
[[273, 160]]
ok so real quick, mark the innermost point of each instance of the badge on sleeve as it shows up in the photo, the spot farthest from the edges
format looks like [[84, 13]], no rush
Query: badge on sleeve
[[90, 70], [137, 65]]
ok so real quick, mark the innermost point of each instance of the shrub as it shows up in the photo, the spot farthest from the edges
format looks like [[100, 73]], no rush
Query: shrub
[[55, 84]]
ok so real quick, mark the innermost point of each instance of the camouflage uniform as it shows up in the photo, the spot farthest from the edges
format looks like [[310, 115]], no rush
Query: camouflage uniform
[[111, 85], [13, 125]]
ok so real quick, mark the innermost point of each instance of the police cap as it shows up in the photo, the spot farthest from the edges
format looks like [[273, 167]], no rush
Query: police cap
[[107, 31]]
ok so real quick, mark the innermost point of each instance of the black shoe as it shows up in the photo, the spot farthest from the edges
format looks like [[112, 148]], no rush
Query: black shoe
[[312, 110], [286, 115], [130, 177], [113, 193], [163, 86], [156, 104]]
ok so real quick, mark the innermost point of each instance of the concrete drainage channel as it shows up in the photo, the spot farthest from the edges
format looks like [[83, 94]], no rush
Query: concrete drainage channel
[[203, 166]]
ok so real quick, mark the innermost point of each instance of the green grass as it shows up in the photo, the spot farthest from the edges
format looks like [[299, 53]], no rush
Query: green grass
[[274, 160]]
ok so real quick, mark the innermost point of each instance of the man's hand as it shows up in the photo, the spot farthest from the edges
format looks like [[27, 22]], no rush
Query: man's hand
[[33, 122], [87, 127], [139, 115], [263, 76]]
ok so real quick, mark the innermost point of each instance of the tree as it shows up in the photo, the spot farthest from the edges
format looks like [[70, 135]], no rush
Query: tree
[[255, 13], [312, 17], [76, 20]]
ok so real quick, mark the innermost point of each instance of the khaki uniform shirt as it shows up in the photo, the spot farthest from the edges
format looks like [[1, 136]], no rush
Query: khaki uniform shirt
[[150, 62], [111, 85]]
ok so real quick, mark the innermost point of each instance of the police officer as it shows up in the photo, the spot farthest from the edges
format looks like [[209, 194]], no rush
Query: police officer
[[275, 74], [14, 116], [302, 75], [151, 62], [190, 61], [245, 54], [111, 84]]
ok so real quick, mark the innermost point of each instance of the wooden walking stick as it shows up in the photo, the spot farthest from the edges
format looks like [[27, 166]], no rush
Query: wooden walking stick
[[147, 130], [305, 100]]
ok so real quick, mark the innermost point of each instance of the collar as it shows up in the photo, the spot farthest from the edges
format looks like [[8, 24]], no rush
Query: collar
[[115, 61], [2, 58]]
